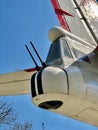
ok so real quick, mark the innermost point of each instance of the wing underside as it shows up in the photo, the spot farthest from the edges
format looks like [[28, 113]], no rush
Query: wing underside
[[15, 83], [77, 23]]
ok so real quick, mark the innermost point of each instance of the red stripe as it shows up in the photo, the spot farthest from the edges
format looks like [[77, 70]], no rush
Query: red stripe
[[63, 22], [59, 14], [61, 11], [30, 70], [96, 50], [55, 4]]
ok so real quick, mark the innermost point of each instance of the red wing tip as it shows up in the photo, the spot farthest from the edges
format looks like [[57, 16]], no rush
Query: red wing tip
[[30, 70]]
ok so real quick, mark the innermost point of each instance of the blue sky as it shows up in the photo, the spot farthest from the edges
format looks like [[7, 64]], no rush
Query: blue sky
[[22, 21]]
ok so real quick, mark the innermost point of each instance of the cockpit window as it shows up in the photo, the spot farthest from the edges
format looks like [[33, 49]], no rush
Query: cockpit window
[[54, 52], [77, 53], [66, 50], [59, 53], [77, 47]]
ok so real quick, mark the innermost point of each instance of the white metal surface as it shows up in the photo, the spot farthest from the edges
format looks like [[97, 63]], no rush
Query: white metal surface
[[15, 83], [73, 107], [57, 32], [81, 100], [76, 24], [54, 80]]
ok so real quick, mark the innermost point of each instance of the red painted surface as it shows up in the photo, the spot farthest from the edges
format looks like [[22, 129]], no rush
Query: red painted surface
[[59, 12], [30, 70], [96, 50]]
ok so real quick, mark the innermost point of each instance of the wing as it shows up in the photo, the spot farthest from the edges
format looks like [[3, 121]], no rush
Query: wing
[[16, 83], [90, 11], [72, 18]]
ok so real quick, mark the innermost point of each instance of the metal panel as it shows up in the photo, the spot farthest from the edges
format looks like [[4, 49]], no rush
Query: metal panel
[[76, 25], [90, 11]]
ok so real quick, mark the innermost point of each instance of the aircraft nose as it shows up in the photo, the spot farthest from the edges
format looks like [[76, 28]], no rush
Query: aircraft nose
[[47, 85]]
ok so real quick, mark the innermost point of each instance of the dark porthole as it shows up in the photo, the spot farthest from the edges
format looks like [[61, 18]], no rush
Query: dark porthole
[[51, 104]]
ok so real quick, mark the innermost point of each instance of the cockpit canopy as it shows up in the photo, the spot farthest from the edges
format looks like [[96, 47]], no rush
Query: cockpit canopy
[[59, 52], [65, 47]]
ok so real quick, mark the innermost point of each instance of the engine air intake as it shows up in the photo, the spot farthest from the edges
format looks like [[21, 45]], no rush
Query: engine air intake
[[51, 104]]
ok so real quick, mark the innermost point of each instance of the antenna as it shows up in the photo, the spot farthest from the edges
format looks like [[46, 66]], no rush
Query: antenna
[[37, 67], [43, 64]]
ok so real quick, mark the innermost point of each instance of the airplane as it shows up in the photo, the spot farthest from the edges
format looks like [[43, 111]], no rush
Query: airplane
[[67, 81]]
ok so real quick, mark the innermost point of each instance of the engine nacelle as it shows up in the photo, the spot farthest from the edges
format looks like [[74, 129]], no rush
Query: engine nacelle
[[48, 87], [65, 91]]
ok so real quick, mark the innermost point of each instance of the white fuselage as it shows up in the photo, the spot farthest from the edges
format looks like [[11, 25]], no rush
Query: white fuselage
[[68, 86]]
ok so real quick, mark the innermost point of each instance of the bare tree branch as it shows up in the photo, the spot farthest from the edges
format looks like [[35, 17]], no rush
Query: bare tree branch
[[24, 126], [7, 114], [8, 118]]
